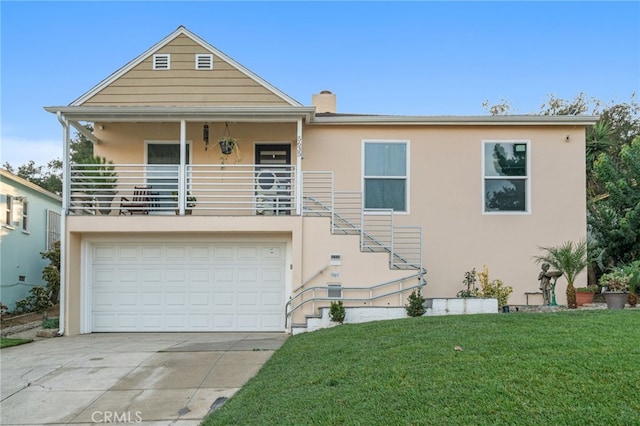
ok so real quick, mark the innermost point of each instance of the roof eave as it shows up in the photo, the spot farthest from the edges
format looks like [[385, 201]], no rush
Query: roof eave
[[177, 113], [513, 120]]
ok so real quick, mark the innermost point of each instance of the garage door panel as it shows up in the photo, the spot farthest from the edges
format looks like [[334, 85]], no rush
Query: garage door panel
[[188, 286]]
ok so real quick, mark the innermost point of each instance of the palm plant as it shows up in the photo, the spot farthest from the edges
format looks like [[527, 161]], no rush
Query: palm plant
[[569, 258]]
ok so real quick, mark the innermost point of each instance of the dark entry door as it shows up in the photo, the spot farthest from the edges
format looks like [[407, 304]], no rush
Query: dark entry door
[[273, 179]]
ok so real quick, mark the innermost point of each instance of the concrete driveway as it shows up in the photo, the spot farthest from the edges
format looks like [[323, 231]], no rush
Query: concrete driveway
[[136, 378]]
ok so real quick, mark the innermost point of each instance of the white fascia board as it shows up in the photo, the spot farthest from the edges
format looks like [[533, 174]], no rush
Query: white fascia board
[[181, 31], [512, 120], [282, 114]]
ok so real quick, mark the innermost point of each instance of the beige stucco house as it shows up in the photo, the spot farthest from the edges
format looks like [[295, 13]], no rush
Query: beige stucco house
[[310, 206]]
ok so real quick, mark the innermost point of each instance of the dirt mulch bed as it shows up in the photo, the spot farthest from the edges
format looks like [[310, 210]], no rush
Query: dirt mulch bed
[[8, 321]]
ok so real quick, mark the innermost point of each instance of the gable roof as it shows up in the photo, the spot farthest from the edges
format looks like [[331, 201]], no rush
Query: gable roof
[[8, 176], [183, 32]]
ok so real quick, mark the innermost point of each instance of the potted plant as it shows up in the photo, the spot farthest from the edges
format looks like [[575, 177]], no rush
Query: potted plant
[[584, 295], [634, 282], [191, 202], [569, 258], [99, 180], [615, 286]]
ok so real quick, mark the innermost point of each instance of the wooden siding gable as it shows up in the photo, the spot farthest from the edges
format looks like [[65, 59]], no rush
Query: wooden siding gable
[[227, 84]]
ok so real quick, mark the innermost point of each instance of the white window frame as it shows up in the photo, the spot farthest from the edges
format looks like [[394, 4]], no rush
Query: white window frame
[[53, 228], [9, 210], [334, 291], [209, 56], [526, 178], [406, 178], [161, 55], [25, 216]]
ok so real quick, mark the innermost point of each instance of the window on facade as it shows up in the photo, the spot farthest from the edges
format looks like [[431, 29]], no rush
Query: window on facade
[[204, 61], [162, 61], [8, 217], [53, 228], [506, 177], [385, 175], [25, 216], [334, 291]]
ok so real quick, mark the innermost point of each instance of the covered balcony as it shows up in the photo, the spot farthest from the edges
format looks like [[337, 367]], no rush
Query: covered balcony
[[169, 189]]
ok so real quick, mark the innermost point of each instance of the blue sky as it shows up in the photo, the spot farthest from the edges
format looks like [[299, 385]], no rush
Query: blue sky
[[418, 58]]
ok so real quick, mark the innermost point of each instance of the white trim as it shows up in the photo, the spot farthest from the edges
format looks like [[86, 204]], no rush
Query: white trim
[[86, 268], [527, 178], [25, 216], [208, 62], [160, 59], [407, 177], [86, 294]]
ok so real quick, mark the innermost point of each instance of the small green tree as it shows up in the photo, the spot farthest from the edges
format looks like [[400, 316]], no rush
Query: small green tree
[[337, 312], [415, 307], [569, 258], [614, 217], [51, 272]]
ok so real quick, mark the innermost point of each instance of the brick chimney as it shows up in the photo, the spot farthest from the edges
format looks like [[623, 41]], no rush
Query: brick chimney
[[325, 101]]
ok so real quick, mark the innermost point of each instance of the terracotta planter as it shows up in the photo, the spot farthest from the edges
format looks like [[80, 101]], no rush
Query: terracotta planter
[[615, 300], [584, 298]]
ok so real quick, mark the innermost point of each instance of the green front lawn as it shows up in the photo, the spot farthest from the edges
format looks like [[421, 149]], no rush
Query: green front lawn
[[8, 342], [566, 368]]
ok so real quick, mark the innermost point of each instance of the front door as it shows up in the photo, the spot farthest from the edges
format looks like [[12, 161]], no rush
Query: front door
[[273, 179]]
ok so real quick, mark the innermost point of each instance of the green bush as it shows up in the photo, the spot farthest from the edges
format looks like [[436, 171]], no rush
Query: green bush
[[495, 288], [50, 323], [470, 282], [415, 308], [337, 312], [37, 301]]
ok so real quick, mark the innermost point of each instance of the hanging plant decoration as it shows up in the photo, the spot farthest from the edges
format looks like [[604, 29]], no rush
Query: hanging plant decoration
[[205, 136], [228, 144]]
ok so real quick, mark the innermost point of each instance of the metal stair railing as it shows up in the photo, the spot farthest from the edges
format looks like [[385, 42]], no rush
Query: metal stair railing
[[313, 298], [317, 199], [348, 216], [407, 247]]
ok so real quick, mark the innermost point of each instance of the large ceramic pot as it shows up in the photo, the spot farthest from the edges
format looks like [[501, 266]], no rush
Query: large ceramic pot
[[584, 298], [615, 299]]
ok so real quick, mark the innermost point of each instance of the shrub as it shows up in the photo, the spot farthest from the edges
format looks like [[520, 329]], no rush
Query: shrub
[[415, 308], [50, 323], [495, 288], [470, 283], [337, 312], [51, 272], [37, 301]]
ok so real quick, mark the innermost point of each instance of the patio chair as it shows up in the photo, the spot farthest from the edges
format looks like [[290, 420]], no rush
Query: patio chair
[[140, 203]]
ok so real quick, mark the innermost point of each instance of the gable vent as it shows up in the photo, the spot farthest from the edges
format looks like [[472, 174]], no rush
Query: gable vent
[[204, 61], [161, 62]]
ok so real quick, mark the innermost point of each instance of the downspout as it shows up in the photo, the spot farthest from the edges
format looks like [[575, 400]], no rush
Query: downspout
[[66, 188]]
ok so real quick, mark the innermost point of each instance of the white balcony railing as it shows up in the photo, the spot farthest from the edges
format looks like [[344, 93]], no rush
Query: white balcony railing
[[217, 189]]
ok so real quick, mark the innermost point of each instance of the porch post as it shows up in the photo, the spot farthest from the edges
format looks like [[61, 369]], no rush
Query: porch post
[[182, 172], [299, 157], [66, 199]]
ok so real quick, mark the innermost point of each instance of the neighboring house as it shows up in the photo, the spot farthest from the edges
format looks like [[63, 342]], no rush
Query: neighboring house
[[314, 205], [30, 225]]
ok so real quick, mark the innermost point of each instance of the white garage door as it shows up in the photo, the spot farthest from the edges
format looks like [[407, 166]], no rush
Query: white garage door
[[187, 286]]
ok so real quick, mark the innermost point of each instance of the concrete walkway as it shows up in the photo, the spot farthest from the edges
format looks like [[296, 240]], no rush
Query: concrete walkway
[[136, 378]]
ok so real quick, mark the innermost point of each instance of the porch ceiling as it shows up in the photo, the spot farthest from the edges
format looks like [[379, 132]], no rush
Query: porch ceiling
[[178, 113]]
